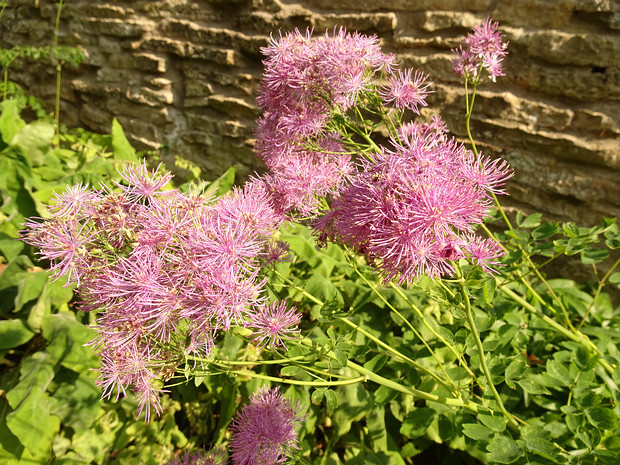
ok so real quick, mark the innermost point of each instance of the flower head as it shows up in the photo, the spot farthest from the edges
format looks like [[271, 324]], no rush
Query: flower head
[[406, 91], [264, 431], [273, 322], [482, 49], [164, 270]]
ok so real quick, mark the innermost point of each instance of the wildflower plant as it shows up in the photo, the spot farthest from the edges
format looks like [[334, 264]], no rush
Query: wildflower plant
[[414, 322]]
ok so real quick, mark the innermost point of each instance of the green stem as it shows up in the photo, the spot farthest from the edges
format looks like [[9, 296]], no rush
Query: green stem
[[377, 341], [58, 69], [246, 363], [483, 363], [297, 382], [372, 376], [577, 337], [395, 352], [453, 402], [601, 284], [418, 335], [452, 349]]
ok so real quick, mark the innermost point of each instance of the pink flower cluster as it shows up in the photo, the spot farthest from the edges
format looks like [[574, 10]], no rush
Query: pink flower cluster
[[165, 270], [307, 83], [413, 208], [481, 49], [265, 430]]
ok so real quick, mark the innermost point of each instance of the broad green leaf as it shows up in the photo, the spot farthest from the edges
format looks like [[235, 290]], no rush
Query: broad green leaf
[[591, 256], [488, 291], [375, 421], [532, 221], [417, 422], [558, 371], [354, 403], [516, 368], [30, 288], [10, 120], [31, 420], [494, 420], [602, 418], [121, 146], [389, 457], [11, 248], [13, 333], [317, 396], [10, 277], [223, 184], [545, 231], [376, 363], [290, 370], [35, 139], [78, 398], [532, 387], [503, 449], [545, 449], [67, 338], [477, 432]]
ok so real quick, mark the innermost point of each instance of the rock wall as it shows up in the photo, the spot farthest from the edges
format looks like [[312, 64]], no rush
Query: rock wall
[[183, 74]]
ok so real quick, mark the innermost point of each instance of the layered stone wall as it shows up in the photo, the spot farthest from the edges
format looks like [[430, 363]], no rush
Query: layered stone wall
[[184, 74]]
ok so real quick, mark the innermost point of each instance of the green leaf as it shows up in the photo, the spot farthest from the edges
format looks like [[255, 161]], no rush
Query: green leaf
[[11, 248], [494, 420], [376, 363], [477, 432], [615, 278], [531, 221], [559, 372], [544, 448], [290, 370], [488, 291], [503, 449], [67, 338], [223, 184], [417, 422], [10, 121], [602, 418], [317, 396], [121, 146], [591, 256], [331, 400], [35, 139], [13, 333], [341, 356], [30, 288], [532, 387], [545, 231], [31, 420], [516, 368], [78, 399]]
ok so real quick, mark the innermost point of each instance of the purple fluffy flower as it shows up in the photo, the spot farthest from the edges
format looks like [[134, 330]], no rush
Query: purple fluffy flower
[[306, 82], [481, 49], [273, 322], [411, 208], [406, 91], [265, 430], [165, 271]]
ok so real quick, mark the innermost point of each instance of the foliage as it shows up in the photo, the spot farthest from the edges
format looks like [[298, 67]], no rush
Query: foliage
[[50, 405], [476, 361]]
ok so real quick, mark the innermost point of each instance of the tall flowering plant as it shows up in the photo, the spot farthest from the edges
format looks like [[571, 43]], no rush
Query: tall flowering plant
[[413, 302]]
